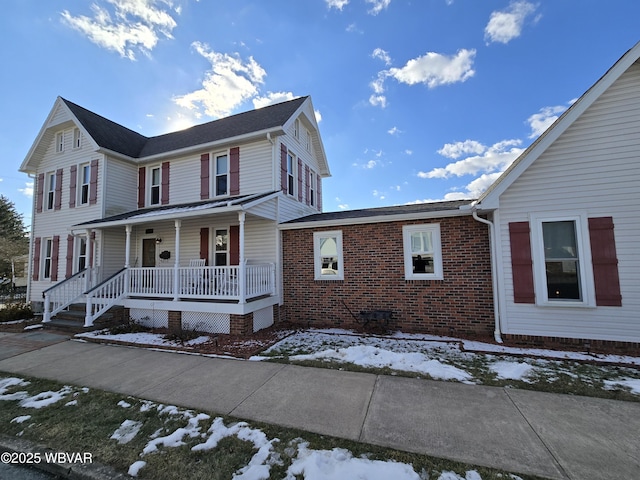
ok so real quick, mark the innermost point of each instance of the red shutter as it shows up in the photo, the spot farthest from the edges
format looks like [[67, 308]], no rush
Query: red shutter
[[164, 196], [35, 273], [92, 241], [73, 178], [204, 176], [319, 193], [55, 247], [142, 172], [234, 171], [58, 200], [93, 183], [605, 262], [521, 263], [307, 189], [69, 270], [299, 180], [204, 244], [283, 167], [40, 193], [234, 245]]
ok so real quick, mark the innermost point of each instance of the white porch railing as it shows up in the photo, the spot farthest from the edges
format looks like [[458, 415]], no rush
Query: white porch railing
[[202, 283], [69, 291]]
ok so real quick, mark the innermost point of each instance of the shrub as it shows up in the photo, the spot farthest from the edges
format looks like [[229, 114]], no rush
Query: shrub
[[15, 311]]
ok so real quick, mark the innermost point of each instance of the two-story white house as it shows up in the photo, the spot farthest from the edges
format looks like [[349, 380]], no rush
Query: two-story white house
[[181, 228]]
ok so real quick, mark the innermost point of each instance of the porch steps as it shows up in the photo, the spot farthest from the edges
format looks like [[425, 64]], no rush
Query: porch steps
[[72, 320]]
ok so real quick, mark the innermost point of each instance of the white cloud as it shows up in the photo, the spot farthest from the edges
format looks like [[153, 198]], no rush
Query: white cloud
[[137, 26], [337, 4], [27, 190], [318, 115], [542, 120], [272, 98], [394, 131], [506, 25], [495, 158], [228, 84], [378, 6], [382, 55], [456, 150], [434, 69]]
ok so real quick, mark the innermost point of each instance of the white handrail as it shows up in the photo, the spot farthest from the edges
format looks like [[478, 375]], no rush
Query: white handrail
[[106, 295], [63, 294]]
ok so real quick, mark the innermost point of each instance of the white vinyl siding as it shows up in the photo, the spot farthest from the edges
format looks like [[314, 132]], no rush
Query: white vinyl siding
[[593, 168], [122, 181]]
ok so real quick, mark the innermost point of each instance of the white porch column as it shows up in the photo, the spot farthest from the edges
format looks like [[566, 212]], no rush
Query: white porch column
[[127, 248], [242, 267], [88, 278], [176, 265]]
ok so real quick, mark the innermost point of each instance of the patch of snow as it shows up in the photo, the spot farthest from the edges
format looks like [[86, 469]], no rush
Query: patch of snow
[[175, 439], [198, 341], [126, 431], [511, 370], [6, 383], [470, 475], [135, 468], [632, 383], [44, 399], [338, 464], [123, 404], [71, 403], [368, 356], [21, 419]]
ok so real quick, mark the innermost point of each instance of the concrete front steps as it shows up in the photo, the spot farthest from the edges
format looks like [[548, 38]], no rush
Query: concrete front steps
[[72, 319]]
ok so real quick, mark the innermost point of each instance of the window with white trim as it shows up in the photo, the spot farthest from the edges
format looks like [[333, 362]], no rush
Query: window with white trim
[[51, 190], [84, 180], [312, 188], [327, 252], [291, 174], [81, 253], [76, 138], [562, 261], [155, 184], [422, 252], [47, 256], [60, 142], [307, 141], [220, 174], [221, 247], [296, 128]]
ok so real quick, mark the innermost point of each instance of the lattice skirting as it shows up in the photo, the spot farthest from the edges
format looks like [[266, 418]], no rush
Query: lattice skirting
[[262, 318], [150, 318], [206, 322]]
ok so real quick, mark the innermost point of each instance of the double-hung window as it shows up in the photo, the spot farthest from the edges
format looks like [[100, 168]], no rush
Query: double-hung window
[[84, 179], [156, 178], [312, 189], [76, 138], [81, 255], [291, 176], [51, 190], [327, 252], [562, 261], [60, 142], [221, 174], [422, 252], [47, 255]]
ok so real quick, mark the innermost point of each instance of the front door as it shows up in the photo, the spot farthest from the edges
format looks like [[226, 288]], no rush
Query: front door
[[149, 252]]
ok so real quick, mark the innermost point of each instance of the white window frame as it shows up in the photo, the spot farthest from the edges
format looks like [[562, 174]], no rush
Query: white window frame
[[585, 268], [434, 229], [226, 252], [84, 184], [47, 258], [312, 188], [79, 255], [50, 197], [307, 141], [77, 138], [292, 166], [216, 174], [153, 186], [60, 142], [296, 128], [317, 255]]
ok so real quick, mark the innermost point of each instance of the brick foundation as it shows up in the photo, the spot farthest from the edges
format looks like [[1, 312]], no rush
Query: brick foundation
[[460, 305], [572, 344], [175, 321], [241, 324]]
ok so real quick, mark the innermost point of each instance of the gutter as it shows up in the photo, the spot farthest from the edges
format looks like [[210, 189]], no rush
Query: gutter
[[497, 335]]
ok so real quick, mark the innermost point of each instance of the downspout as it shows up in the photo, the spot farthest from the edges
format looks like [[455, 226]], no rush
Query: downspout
[[494, 274]]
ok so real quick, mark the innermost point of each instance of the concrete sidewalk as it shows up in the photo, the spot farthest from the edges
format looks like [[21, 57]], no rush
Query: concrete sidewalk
[[549, 435]]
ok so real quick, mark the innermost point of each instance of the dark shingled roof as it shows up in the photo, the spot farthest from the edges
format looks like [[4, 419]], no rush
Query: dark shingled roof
[[418, 208], [120, 139]]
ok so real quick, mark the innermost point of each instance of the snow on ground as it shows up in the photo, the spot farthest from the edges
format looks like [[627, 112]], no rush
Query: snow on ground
[[126, 431], [632, 383], [143, 338], [511, 370]]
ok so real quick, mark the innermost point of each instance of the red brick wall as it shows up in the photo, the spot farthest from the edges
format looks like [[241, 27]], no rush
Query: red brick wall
[[461, 304]]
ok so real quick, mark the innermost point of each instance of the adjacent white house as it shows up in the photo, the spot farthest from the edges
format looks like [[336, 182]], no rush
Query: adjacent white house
[[179, 227], [566, 221]]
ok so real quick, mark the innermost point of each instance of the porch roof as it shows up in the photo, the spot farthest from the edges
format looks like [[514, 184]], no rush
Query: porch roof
[[171, 212]]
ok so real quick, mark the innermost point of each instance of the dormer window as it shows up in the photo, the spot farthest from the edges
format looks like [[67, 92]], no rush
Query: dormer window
[[296, 128], [60, 142], [307, 142]]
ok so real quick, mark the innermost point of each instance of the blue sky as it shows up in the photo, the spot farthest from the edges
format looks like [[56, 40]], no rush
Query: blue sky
[[418, 100]]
